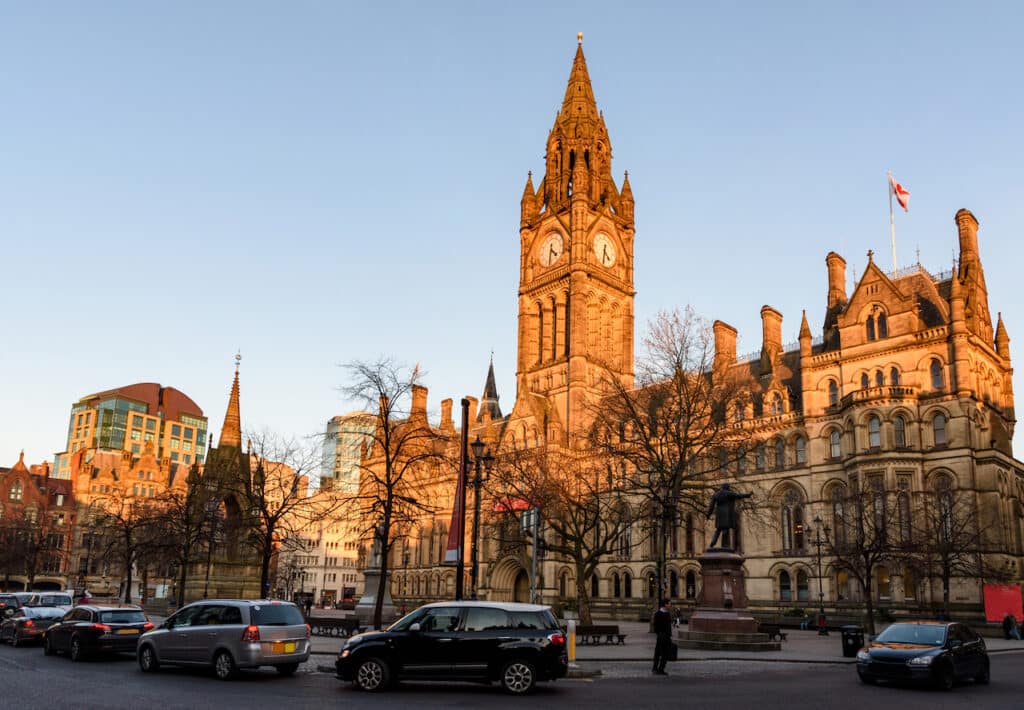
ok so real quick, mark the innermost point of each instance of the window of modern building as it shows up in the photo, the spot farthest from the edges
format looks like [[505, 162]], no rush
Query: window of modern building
[[136, 435], [833, 394], [175, 444], [150, 426], [939, 429], [874, 432], [187, 432], [174, 456], [801, 450], [137, 421], [835, 451], [936, 373], [899, 428], [175, 430]]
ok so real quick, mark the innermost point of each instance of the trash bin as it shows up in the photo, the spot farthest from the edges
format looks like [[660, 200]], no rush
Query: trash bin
[[853, 640]]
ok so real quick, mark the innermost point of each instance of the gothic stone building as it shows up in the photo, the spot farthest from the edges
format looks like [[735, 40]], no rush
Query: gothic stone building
[[908, 389]]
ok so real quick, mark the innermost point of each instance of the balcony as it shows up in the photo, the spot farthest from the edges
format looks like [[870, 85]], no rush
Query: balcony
[[877, 394]]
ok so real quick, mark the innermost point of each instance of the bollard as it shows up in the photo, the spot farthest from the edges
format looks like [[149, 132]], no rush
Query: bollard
[[571, 641]]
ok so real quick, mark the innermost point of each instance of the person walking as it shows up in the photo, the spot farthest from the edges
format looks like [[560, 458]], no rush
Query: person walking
[[1010, 628], [663, 630]]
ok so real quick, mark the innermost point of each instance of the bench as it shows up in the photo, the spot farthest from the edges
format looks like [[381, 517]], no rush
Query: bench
[[327, 626], [595, 635], [773, 630]]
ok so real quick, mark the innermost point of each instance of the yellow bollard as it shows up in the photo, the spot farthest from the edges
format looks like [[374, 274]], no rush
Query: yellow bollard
[[571, 641]]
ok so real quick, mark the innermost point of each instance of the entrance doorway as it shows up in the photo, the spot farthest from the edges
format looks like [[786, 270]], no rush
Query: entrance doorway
[[521, 589]]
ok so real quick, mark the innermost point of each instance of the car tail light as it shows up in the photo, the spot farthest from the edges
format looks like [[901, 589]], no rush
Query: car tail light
[[101, 627], [147, 626], [556, 639], [251, 633], [309, 630], [29, 623]]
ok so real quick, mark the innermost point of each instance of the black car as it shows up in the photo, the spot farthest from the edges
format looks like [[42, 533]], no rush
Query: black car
[[87, 630], [514, 644], [10, 602], [936, 652], [28, 623]]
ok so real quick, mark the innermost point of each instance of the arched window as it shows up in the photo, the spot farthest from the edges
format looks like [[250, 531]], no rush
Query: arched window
[[883, 326], [540, 333], [759, 457], [627, 583], [839, 515], [874, 432], [803, 592], [652, 586], [776, 403], [939, 428], [616, 585], [673, 584], [936, 372], [17, 491], [909, 583], [835, 451], [689, 533], [691, 585], [944, 500], [801, 450], [899, 428], [879, 378], [865, 381], [903, 510], [785, 588], [563, 584], [871, 328], [883, 582], [594, 585], [833, 394], [739, 413], [741, 460], [792, 515], [780, 454], [894, 377]]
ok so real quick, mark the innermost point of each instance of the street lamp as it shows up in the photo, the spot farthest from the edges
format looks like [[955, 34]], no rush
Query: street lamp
[[822, 631], [480, 455], [668, 513]]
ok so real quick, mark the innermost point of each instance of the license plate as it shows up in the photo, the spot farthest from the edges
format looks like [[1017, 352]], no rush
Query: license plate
[[284, 647], [127, 632]]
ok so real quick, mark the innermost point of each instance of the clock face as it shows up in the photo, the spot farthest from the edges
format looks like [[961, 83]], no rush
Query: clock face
[[551, 249], [604, 249]]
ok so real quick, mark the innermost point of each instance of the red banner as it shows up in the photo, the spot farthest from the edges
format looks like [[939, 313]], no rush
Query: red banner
[[1002, 599]]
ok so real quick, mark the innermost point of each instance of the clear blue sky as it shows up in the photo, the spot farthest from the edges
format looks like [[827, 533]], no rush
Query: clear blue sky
[[317, 182]]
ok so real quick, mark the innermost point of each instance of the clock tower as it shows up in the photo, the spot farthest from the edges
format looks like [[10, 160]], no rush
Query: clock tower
[[576, 274]]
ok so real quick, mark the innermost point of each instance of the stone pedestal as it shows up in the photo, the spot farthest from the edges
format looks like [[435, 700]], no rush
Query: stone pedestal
[[371, 587], [721, 621]]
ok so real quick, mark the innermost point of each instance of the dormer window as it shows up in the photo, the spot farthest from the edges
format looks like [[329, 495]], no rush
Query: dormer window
[[877, 325], [776, 403], [17, 491]]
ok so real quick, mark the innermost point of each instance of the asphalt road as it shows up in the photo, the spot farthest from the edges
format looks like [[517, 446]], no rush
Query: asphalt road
[[32, 680]]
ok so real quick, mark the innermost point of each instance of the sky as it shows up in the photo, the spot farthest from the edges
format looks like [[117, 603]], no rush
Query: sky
[[315, 183]]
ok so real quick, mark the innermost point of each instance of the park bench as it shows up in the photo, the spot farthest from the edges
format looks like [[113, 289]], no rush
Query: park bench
[[773, 630], [327, 626], [595, 635]]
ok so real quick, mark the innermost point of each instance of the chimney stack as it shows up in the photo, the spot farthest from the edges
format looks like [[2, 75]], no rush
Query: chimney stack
[[419, 401], [446, 414], [725, 344], [836, 279], [967, 226]]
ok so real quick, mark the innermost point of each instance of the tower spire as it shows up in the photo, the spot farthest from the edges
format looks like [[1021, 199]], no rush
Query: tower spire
[[489, 400], [231, 432]]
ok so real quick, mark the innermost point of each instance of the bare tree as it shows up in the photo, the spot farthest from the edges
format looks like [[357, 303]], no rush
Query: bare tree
[[127, 525], [669, 431], [181, 529], [580, 502], [403, 454]]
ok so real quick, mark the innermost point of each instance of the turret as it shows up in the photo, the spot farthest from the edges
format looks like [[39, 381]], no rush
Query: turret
[[805, 337], [771, 337], [626, 203], [1002, 340], [528, 205], [836, 298]]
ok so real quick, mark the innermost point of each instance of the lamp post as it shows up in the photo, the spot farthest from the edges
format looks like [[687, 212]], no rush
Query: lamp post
[[480, 455], [822, 631]]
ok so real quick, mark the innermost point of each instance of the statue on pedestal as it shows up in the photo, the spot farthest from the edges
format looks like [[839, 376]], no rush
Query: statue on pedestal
[[723, 505]]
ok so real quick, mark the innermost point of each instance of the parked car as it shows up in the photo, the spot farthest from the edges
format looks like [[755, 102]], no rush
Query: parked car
[[937, 652], [87, 630], [12, 601], [513, 644], [58, 599], [28, 623], [228, 634]]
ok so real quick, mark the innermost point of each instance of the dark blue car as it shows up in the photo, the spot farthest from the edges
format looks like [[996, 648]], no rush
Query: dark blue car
[[935, 652]]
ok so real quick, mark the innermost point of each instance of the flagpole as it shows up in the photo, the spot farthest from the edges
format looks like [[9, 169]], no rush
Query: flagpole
[[892, 225]]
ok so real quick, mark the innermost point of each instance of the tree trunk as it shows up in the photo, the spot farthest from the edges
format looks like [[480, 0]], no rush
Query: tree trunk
[[183, 580], [946, 574], [582, 600], [266, 553], [128, 582], [869, 605]]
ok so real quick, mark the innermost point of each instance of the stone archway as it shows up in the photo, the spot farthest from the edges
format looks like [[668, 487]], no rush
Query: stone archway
[[502, 580], [521, 588]]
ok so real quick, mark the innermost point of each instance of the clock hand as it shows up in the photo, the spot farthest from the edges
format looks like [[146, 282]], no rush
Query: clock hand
[[604, 257]]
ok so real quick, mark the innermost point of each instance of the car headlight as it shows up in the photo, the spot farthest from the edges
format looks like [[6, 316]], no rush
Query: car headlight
[[921, 661], [863, 656], [345, 652]]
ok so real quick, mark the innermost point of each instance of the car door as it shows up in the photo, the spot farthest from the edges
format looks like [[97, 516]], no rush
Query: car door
[[960, 652], [429, 652], [172, 645], [202, 634], [60, 634], [973, 651], [484, 631]]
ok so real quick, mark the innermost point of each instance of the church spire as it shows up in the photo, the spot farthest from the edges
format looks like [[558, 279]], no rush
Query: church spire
[[489, 400], [231, 432], [579, 102]]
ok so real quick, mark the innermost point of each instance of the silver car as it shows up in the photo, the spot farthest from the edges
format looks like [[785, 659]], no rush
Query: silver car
[[228, 634]]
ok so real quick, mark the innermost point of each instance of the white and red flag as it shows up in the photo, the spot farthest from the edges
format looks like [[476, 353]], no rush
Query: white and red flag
[[901, 193]]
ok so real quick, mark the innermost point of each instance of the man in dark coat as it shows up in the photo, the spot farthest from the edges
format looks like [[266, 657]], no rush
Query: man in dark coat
[[663, 629], [723, 505]]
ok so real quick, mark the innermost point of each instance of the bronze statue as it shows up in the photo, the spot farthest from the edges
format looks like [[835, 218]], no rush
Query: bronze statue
[[723, 505]]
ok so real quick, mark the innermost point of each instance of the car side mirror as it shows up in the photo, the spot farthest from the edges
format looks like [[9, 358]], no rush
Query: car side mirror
[[414, 627]]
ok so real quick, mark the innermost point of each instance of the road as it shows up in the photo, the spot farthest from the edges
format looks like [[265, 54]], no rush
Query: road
[[32, 680]]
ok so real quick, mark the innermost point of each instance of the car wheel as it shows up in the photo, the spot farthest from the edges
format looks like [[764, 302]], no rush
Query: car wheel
[[944, 677], [76, 653], [147, 660], [984, 676], [224, 665], [518, 677], [287, 669], [47, 646], [372, 675]]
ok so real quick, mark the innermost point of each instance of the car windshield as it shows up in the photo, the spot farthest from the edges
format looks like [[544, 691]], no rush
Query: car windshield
[[44, 612], [122, 616], [277, 615], [920, 634], [53, 600]]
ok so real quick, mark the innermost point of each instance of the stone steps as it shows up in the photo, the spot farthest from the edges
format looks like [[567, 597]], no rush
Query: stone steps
[[723, 641]]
